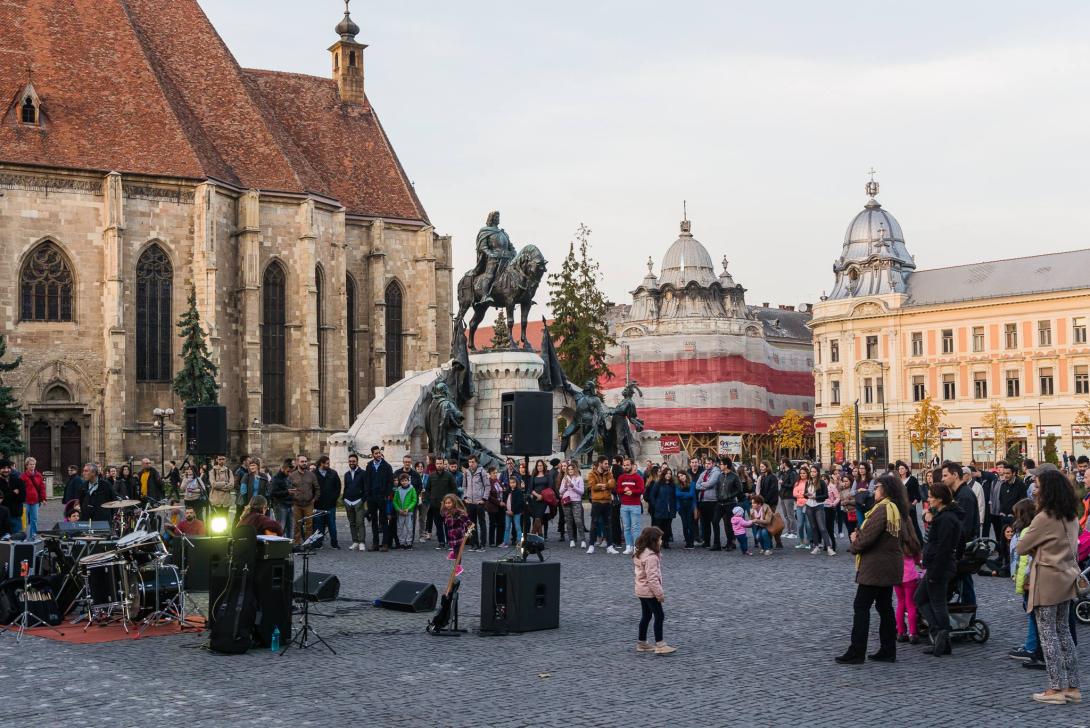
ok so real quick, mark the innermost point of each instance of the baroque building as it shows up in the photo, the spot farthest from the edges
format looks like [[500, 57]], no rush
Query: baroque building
[[1012, 332], [715, 372], [138, 159]]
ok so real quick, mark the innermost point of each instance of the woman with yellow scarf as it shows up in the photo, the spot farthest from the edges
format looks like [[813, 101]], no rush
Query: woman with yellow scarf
[[878, 546]]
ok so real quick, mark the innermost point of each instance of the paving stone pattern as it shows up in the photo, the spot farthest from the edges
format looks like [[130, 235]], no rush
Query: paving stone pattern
[[756, 638]]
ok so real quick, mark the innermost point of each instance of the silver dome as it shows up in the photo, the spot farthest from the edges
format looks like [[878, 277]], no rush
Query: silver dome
[[685, 261], [871, 229]]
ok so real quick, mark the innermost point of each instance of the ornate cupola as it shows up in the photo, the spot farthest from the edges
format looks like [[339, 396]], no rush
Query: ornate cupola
[[874, 259], [348, 60]]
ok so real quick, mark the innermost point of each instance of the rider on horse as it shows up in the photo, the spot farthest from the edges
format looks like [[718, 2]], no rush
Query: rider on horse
[[494, 252]]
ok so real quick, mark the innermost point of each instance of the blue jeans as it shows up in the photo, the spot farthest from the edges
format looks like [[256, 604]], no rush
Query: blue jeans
[[1032, 640], [513, 525], [327, 522], [599, 522], [743, 542], [16, 525], [630, 524], [283, 515], [31, 520], [685, 510], [762, 537], [804, 523]]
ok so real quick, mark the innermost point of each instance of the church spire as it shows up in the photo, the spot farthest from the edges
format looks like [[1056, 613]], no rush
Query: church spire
[[348, 60]]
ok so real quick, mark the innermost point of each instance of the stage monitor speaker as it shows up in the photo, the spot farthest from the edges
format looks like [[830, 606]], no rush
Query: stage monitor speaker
[[206, 429], [13, 553], [205, 561], [272, 587], [520, 597], [526, 423], [320, 588], [410, 596]]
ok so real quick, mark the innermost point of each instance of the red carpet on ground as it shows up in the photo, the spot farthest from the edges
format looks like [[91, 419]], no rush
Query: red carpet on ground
[[95, 634]]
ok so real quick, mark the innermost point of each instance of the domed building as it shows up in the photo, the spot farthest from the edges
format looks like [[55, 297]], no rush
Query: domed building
[[1008, 332], [715, 372]]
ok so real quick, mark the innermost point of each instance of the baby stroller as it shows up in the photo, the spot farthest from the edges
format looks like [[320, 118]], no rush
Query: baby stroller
[[1082, 603], [963, 620]]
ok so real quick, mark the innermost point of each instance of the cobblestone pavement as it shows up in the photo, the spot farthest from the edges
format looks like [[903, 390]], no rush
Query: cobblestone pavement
[[756, 638]]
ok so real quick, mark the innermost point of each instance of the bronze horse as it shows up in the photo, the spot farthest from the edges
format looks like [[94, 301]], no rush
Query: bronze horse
[[515, 285]]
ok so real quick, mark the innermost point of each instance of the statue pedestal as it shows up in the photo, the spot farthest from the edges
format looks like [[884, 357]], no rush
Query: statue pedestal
[[494, 373]]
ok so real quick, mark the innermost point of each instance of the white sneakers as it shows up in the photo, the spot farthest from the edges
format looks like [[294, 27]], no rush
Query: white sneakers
[[582, 544], [590, 550], [790, 535], [571, 544], [353, 546], [611, 550], [832, 552], [628, 550], [817, 550]]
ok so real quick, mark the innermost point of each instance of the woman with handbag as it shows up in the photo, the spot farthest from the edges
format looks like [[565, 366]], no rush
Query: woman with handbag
[[1052, 542], [571, 501], [539, 507]]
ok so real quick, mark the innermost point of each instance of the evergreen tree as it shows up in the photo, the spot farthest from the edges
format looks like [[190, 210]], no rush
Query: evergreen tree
[[579, 314], [11, 420], [196, 382], [501, 332]]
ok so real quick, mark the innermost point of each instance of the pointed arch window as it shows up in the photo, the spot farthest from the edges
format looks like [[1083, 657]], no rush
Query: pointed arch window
[[395, 366], [319, 285], [45, 285], [274, 345], [154, 291], [29, 111], [353, 366]]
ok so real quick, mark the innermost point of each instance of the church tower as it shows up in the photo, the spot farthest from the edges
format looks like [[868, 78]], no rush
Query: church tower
[[348, 60]]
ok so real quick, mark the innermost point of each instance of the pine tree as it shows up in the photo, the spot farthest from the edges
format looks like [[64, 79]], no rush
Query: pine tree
[[501, 332], [196, 382], [11, 420], [579, 314]]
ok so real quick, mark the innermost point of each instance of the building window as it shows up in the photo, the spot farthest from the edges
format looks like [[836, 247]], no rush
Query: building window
[[394, 339], [353, 366], [947, 341], [352, 59], [918, 392], [948, 388], [834, 351], [978, 338], [1044, 333], [46, 285], [29, 111], [319, 304], [817, 352], [917, 343], [1010, 336], [834, 393], [154, 322], [1014, 385], [1082, 379], [868, 391], [1045, 376], [880, 382], [274, 309], [872, 347], [980, 385], [1078, 330]]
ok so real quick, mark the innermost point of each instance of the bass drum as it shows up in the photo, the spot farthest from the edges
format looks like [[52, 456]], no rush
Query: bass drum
[[142, 589], [107, 581]]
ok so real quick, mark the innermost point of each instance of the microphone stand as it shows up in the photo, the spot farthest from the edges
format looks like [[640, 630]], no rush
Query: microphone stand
[[23, 622], [302, 637]]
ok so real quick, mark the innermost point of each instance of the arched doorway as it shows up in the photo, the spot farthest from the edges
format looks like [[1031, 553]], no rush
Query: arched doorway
[[71, 444], [41, 445]]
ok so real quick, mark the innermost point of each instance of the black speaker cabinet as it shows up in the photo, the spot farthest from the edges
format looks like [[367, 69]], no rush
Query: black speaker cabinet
[[205, 560], [13, 553], [520, 597], [206, 429], [320, 588], [272, 586], [410, 596], [526, 423]]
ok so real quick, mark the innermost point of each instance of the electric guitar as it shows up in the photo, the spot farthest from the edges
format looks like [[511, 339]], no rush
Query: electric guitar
[[442, 615]]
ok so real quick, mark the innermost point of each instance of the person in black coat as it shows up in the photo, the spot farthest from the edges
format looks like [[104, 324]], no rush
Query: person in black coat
[[355, 506], [944, 546], [98, 491], [380, 492], [12, 495], [73, 489], [329, 492], [279, 496]]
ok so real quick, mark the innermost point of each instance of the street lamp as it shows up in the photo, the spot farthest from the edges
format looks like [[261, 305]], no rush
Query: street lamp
[[1040, 424], [161, 422]]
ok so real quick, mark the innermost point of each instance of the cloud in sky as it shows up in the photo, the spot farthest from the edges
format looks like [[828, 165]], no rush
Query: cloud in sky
[[764, 117]]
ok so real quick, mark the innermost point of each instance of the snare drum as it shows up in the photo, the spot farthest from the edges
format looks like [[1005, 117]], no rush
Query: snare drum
[[143, 547]]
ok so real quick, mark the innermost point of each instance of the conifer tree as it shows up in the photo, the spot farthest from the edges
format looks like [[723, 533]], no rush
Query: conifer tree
[[196, 382], [11, 420], [579, 309], [501, 332]]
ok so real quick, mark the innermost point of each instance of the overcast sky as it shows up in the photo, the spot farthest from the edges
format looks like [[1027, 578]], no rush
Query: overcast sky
[[764, 116]]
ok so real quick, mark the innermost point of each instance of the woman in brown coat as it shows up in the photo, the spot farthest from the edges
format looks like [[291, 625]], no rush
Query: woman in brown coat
[[1052, 541], [879, 548]]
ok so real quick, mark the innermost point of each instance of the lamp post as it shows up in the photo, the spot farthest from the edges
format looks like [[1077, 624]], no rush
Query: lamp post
[[1040, 424], [161, 422], [858, 444]]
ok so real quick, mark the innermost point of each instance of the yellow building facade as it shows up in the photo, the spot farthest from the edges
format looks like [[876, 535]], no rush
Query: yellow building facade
[[1008, 331]]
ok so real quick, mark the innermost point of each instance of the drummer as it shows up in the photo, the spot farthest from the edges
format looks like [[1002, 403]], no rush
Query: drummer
[[188, 526]]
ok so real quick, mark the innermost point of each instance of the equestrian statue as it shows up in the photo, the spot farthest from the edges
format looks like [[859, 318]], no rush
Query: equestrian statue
[[502, 278]]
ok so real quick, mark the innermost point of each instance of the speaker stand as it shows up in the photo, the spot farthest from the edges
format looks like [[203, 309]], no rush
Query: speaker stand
[[302, 637]]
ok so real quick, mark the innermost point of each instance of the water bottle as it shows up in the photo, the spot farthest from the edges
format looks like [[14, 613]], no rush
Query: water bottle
[[275, 646]]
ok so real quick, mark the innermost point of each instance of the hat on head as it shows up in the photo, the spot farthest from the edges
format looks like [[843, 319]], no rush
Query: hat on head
[[1043, 468], [5, 463], [738, 510]]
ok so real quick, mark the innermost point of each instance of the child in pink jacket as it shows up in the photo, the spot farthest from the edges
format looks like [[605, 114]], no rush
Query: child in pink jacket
[[647, 559], [739, 524]]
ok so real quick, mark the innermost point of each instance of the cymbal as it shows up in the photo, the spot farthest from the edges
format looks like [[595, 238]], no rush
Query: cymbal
[[121, 504], [161, 509]]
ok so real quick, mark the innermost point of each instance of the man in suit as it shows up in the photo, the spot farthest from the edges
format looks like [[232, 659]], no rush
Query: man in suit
[[380, 491], [355, 506]]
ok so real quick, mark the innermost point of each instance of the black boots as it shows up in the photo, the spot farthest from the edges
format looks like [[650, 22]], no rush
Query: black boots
[[941, 645], [849, 658]]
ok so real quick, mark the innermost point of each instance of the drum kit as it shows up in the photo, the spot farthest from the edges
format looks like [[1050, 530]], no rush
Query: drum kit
[[127, 578]]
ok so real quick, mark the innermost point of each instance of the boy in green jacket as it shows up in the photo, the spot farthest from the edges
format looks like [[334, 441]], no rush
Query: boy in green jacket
[[404, 506]]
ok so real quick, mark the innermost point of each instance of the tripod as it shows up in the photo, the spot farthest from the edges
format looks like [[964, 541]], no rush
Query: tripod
[[302, 638], [26, 620]]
